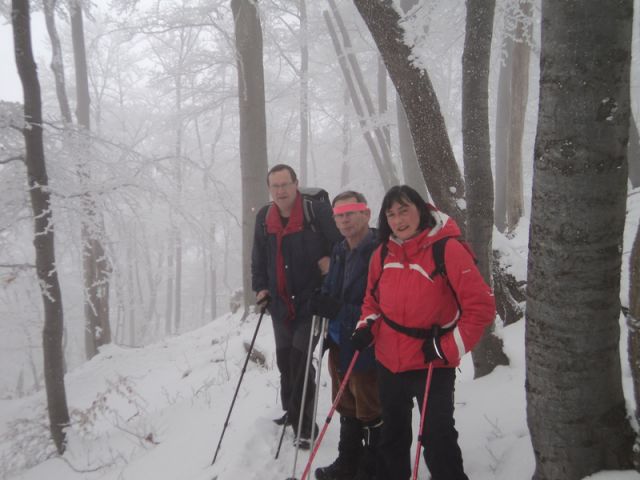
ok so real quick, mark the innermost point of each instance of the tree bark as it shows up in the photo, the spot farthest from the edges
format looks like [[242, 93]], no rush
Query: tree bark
[[575, 405], [44, 239], [431, 141], [633, 153], [96, 266], [488, 354], [253, 127], [633, 322]]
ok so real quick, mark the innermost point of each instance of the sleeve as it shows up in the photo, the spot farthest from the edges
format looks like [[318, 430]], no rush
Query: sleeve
[[370, 307], [326, 225], [476, 300], [259, 276]]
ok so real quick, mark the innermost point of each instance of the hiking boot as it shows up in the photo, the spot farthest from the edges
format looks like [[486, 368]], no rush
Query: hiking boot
[[282, 420], [304, 442], [367, 464], [349, 447]]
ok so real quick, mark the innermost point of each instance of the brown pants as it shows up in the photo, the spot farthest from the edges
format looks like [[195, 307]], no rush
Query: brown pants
[[360, 397]]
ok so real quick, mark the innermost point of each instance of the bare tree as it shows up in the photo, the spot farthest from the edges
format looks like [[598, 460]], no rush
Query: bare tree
[[428, 129], [96, 265], [513, 85], [44, 239], [253, 129], [633, 153], [575, 405], [477, 161]]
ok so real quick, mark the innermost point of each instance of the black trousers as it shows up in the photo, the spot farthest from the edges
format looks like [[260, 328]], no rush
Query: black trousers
[[440, 438]]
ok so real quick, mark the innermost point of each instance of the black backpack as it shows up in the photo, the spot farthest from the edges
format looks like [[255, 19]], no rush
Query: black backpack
[[309, 195]]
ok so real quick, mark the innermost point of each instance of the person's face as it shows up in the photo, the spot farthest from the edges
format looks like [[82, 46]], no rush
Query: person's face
[[352, 225], [403, 219], [283, 189]]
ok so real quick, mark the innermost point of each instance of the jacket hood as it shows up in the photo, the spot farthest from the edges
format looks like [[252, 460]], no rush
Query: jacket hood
[[445, 227]]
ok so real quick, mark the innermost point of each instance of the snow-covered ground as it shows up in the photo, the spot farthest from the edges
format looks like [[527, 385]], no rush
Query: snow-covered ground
[[157, 412]]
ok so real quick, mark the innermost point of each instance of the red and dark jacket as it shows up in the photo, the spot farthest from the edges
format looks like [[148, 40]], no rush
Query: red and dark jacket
[[409, 295]]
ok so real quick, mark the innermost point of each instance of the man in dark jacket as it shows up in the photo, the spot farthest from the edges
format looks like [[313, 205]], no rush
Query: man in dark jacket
[[290, 256], [340, 300]]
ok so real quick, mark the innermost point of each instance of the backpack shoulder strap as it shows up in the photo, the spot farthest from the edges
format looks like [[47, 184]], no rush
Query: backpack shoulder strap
[[438, 257], [309, 213], [384, 250]]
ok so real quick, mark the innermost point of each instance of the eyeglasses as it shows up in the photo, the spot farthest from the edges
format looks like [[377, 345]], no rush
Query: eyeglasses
[[280, 186]]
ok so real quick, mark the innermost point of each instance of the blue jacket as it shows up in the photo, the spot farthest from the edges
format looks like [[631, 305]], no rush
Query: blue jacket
[[355, 265]]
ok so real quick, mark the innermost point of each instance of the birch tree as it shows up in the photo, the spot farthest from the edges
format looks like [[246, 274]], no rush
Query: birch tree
[[575, 405]]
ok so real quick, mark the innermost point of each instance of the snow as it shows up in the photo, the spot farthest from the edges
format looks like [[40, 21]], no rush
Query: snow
[[157, 412]]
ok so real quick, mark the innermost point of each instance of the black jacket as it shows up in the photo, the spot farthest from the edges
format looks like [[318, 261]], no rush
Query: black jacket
[[301, 252]]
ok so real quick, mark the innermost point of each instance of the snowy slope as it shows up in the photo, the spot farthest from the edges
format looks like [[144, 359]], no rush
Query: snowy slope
[[157, 412]]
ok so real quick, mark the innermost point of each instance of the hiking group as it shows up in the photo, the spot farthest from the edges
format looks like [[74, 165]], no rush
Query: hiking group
[[407, 305]]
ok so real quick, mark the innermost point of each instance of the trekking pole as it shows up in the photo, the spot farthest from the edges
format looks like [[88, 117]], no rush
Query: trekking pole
[[244, 369], [330, 414], [323, 333], [422, 417], [314, 323]]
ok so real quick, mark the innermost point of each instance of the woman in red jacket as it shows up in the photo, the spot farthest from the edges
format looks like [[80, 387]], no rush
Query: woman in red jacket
[[414, 285]]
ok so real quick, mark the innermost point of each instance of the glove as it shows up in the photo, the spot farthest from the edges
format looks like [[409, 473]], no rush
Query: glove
[[324, 305], [432, 350], [263, 303], [362, 338]]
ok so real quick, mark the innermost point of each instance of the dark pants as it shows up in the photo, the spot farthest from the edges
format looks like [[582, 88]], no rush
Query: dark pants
[[440, 438], [292, 345]]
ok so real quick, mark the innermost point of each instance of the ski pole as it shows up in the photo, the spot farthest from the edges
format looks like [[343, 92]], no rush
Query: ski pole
[[343, 385], [323, 333], [244, 369], [422, 417], [314, 323]]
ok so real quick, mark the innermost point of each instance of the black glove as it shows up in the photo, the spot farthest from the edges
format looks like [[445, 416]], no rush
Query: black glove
[[263, 303], [361, 338], [324, 305], [431, 348]]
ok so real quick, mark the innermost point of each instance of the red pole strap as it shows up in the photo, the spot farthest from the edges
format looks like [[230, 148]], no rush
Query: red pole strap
[[422, 417], [330, 415]]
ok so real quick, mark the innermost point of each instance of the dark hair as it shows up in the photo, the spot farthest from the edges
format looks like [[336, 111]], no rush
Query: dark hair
[[349, 194], [280, 167], [404, 195]]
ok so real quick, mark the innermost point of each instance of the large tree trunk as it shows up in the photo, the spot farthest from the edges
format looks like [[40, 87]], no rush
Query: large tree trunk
[[253, 126], [428, 128], [96, 266], [633, 322], [488, 353], [575, 406], [44, 240]]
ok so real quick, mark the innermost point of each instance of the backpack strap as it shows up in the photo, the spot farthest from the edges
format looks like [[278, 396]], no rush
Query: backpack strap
[[309, 214], [384, 250], [414, 332], [438, 257]]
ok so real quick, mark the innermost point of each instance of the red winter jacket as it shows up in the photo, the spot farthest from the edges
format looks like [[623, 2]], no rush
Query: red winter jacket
[[410, 297]]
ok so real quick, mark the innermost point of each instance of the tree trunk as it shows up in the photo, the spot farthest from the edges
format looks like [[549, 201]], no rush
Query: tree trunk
[[518, 105], [94, 258], [488, 354], [44, 239], [633, 322], [304, 93], [57, 64], [430, 138], [575, 405], [502, 132], [383, 105], [633, 153], [253, 127]]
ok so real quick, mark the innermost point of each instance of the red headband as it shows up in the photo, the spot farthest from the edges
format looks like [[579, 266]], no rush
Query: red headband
[[349, 207]]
